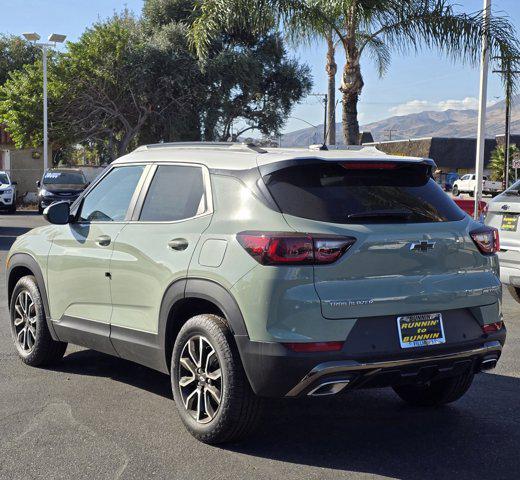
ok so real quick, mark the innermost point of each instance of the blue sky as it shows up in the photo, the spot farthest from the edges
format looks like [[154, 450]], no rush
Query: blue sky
[[417, 82]]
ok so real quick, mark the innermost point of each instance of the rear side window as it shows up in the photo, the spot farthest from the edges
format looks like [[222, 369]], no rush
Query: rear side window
[[352, 193], [176, 193]]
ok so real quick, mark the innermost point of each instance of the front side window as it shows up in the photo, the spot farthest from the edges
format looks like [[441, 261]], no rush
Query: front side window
[[4, 179], [176, 193], [110, 198]]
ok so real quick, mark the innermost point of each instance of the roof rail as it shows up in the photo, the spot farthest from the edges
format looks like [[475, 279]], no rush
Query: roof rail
[[229, 145]]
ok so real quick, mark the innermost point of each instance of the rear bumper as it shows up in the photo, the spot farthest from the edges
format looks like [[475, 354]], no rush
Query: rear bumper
[[352, 372], [509, 267], [274, 371]]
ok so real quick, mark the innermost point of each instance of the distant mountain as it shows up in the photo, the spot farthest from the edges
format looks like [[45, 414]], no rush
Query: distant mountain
[[448, 123]]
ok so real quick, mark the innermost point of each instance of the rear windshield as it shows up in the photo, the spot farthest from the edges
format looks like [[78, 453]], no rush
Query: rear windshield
[[64, 178], [351, 193]]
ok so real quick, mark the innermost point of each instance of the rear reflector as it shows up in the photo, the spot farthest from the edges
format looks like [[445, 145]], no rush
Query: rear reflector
[[486, 239], [315, 347], [275, 248], [492, 327]]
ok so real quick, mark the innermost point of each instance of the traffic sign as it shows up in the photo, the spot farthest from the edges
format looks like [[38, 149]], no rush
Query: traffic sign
[[515, 160]]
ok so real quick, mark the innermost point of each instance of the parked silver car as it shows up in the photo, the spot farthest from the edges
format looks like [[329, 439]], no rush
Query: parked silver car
[[503, 213]]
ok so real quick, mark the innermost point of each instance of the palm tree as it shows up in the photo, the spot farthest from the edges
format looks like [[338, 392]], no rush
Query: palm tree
[[331, 68], [496, 165], [373, 27]]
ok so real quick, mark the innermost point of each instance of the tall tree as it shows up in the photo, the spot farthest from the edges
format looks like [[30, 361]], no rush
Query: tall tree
[[249, 81], [15, 53], [376, 27], [128, 81], [331, 68]]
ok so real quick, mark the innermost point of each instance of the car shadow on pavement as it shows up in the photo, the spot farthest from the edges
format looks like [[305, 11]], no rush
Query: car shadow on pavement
[[368, 431], [374, 432], [96, 364]]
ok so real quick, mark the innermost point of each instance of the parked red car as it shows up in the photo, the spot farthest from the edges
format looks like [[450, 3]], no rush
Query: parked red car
[[468, 205]]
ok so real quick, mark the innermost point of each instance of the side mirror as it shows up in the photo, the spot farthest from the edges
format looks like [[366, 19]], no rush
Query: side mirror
[[57, 213], [14, 183], [38, 183]]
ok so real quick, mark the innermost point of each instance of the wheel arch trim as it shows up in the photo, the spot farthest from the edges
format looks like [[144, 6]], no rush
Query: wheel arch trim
[[204, 289], [28, 261]]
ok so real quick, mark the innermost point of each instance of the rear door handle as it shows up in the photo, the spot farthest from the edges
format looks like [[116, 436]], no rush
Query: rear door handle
[[178, 244], [103, 240]]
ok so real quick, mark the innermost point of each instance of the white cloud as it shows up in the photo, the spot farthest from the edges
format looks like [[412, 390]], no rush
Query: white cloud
[[416, 106]]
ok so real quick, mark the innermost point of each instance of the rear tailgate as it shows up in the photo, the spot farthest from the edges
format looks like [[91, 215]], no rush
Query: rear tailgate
[[504, 213], [382, 275], [413, 252]]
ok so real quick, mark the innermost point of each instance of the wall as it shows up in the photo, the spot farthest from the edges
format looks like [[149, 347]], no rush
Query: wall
[[24, 169]]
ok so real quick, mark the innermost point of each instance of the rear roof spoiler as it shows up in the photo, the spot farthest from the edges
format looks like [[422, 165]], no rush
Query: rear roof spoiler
[[268, 168]]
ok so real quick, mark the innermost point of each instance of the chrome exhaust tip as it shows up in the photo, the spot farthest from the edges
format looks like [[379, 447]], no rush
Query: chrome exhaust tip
[[488, 364], [330, 387]]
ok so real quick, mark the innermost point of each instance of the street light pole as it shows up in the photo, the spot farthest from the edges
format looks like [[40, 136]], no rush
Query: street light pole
[[54, 38], [45, 130], [481, 134]]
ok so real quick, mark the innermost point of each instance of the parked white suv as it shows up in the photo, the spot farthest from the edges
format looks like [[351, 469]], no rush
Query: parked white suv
[[503, 213], [7, 193], [468, 184]]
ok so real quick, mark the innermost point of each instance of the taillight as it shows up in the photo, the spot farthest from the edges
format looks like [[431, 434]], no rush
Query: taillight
[[492, 327], [273, 248], [315, 347], [486, 239]]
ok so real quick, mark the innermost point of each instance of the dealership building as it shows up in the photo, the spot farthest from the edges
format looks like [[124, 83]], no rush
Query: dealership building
[[450, 154]]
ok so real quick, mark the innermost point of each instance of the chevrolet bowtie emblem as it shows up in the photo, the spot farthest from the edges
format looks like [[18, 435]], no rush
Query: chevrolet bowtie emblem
[[422, 246]]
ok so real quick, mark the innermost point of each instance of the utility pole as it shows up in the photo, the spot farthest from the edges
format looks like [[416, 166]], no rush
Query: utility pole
[[325, 104], [481, 134], [389, 131], [509, 75]]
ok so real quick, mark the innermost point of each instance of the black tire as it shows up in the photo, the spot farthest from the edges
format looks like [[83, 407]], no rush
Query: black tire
[[239, 410], [455, 191], [44, 350], [436, 393], [471, 194], [12, 209]]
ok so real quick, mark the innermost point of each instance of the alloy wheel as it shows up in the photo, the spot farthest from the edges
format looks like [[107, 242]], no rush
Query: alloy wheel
[[24, 321], [200, 379]]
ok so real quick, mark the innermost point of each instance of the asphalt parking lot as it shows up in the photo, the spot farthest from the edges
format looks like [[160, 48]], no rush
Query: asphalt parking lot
[[95, 417]]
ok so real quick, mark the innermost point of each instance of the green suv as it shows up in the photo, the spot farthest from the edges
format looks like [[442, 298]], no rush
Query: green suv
[[246, 273]]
